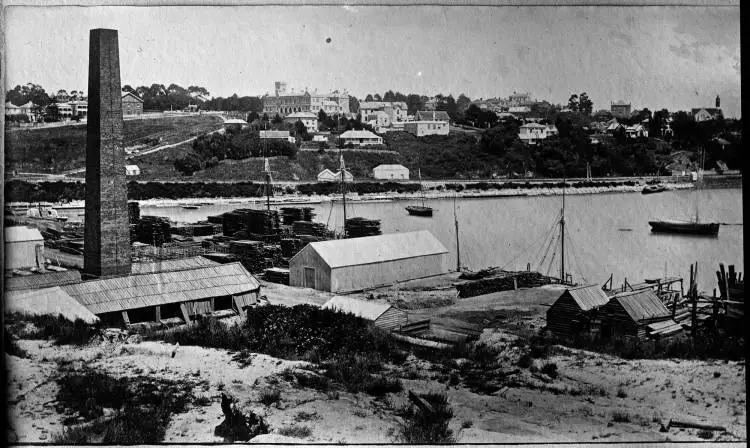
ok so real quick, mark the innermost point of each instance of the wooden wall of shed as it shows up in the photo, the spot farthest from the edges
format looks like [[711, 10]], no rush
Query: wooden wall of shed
[[21, 254], [307, 257], [561, 314], [358, 277], [617, 323], [393, 319]]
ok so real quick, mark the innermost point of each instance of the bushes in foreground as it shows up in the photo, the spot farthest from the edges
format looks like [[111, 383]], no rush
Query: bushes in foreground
[[63, 330], [422, 427]]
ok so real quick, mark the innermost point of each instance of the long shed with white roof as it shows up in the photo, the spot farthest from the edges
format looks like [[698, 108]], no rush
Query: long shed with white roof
[[356, 264], [383, 315]]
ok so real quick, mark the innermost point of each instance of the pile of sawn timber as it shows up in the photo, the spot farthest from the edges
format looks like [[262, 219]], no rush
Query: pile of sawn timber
[[291, 214], [255, 255], [502, 282], [359, 227], [251, 221], [152, 230], [277, 275], [310, 228]]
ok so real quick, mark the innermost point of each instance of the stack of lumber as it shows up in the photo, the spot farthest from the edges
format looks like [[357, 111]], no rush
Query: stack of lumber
[[290, 246], [276, 275], [501, 282], [310, 228], [293, 214], [259, 222], [153, 230], [134, 212], [215, 219], [193, 230], [254, 255], [359, 227]]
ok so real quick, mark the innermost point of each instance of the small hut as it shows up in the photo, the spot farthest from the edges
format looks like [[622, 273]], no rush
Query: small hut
[[632, 315], [573, 312], [383, 315]]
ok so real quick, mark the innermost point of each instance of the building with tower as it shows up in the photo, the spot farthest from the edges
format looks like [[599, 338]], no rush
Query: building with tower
[[708, 113], [284, 103]]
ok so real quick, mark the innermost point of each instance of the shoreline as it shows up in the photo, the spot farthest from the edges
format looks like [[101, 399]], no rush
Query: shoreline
[[296, 199]]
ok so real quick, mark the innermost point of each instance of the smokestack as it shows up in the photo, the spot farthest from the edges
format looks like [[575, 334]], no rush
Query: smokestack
[[106, 231]]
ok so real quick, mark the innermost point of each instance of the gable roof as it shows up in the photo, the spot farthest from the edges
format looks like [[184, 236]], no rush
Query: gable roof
[[358, 134], [326, 172], [365, 309], [18, 234], [588, 297], [181, 264], [124, 94], [643, 304], [138, 291], [235, 121], [302, 115], [49, 301], [434, 115], [274, 134], [376, 249], [45, 280], [390, 167]]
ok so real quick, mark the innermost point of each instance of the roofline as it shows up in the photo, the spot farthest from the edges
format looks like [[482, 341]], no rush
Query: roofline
[[379, 262]]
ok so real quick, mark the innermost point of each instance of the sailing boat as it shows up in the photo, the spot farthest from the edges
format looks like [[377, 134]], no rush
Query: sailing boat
[[693, 227], [420, 210]]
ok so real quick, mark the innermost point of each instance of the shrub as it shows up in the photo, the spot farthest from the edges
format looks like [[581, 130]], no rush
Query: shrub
[[621, 393], [466, 424], [313, 381], [297, 431], [270, 396], [303, 416], [63, 330], [525, 361], [189, 164], [705, 434], [620, 416], [421, 427], [355, 373], [550, 369]]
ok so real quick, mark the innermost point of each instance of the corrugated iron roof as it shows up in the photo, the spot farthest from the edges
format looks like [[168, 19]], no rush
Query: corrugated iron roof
[[390, 167], [643, 304], [588, 297], [17, 234], [361, 308], [274, 134], [376, 249], [138, 291], [433, 115], [49, 301], [358, 134], [46, 280], [181, 264], [302, 115]]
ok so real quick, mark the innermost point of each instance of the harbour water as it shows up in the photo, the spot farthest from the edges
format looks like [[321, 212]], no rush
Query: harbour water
[[605, 233]]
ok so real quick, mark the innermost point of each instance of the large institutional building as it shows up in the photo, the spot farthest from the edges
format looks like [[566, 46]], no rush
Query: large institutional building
[[285, 103]]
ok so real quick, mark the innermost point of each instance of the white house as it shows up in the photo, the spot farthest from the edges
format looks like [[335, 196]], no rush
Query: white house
[[398, 172], [132, 170], [636, 131], [394, 111], [422, 128], [309, 119], [360, 138], [276, 135], [327, 176], [531, 133]]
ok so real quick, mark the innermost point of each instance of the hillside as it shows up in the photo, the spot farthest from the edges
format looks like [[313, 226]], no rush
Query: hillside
[[55, 150]]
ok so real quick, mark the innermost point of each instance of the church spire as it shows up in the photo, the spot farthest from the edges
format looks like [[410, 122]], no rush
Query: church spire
[[718, 102]]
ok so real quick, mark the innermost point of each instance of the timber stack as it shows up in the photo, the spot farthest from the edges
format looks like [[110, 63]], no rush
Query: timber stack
[[256, 222], [503, 281], [255, 255], [277, 275], [153, 230], [360, 227], [290, 246], [292, 214], [134, 212], [309, 228]]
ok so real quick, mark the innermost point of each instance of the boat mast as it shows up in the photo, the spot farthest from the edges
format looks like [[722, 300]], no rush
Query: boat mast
[[343, 187], [267, 169], [421, 194], [458, 245], [562, 237]]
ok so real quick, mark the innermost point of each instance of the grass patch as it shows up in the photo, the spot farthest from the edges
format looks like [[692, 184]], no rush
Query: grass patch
[[59, 328], [621, 393], [550, 369], [303, 416], [620, 416], [270, 396], [297, 431], [357, 374], [422, 427]]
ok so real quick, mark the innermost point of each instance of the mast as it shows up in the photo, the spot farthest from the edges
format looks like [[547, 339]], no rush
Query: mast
[[562, 237], [421, 194], [267, 169], [343, 187], [458, 244]]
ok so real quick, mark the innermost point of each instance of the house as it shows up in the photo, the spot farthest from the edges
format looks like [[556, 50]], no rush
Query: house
[[327, 176], [614, 126], [132, 170], [52, 301], [432, 115], [360, 263], [132, 104], [620, 109], [573, 312], [65, 111], [236, 123], [422, 128], [531, 133], [309, 119], [631, 315], [391, 111], [636, 131], [378, 119], [519, 109], [24, 248], [27, 109], [600, 138], [176, 295], [276, 135], [348, 177], [706, 114], [360, 138], [284, 102], [80, 108], [395, 172], [383, 315]]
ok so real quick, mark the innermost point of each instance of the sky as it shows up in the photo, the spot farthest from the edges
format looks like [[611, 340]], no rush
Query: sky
[[657, 57]]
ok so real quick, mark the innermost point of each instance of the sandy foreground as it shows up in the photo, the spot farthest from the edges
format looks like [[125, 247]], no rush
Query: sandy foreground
[[595, 398]]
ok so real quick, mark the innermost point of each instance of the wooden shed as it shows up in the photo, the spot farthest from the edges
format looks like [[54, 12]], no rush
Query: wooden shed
[[573, 312], [356, 264], [630, 315], [383, 315], [24, 247], [180, 294]]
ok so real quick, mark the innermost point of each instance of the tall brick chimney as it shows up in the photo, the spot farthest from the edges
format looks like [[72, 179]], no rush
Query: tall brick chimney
[[106, 231]]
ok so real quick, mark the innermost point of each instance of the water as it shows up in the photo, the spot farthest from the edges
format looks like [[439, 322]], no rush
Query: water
[[511, 232]]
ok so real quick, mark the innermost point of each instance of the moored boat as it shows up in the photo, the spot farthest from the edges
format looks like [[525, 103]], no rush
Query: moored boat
[[686, 227], [418, 210], [657, 188]]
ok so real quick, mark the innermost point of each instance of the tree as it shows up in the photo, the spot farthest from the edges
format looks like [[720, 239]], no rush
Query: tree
[[368, 98], [585, 105], [414, 103], [322, 116], [389, 96], [252, 116], [377, 97], [188, 164], [353, 105], [277, 119], [52, 113], [573, 102], [462, 103], [301, 131]]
